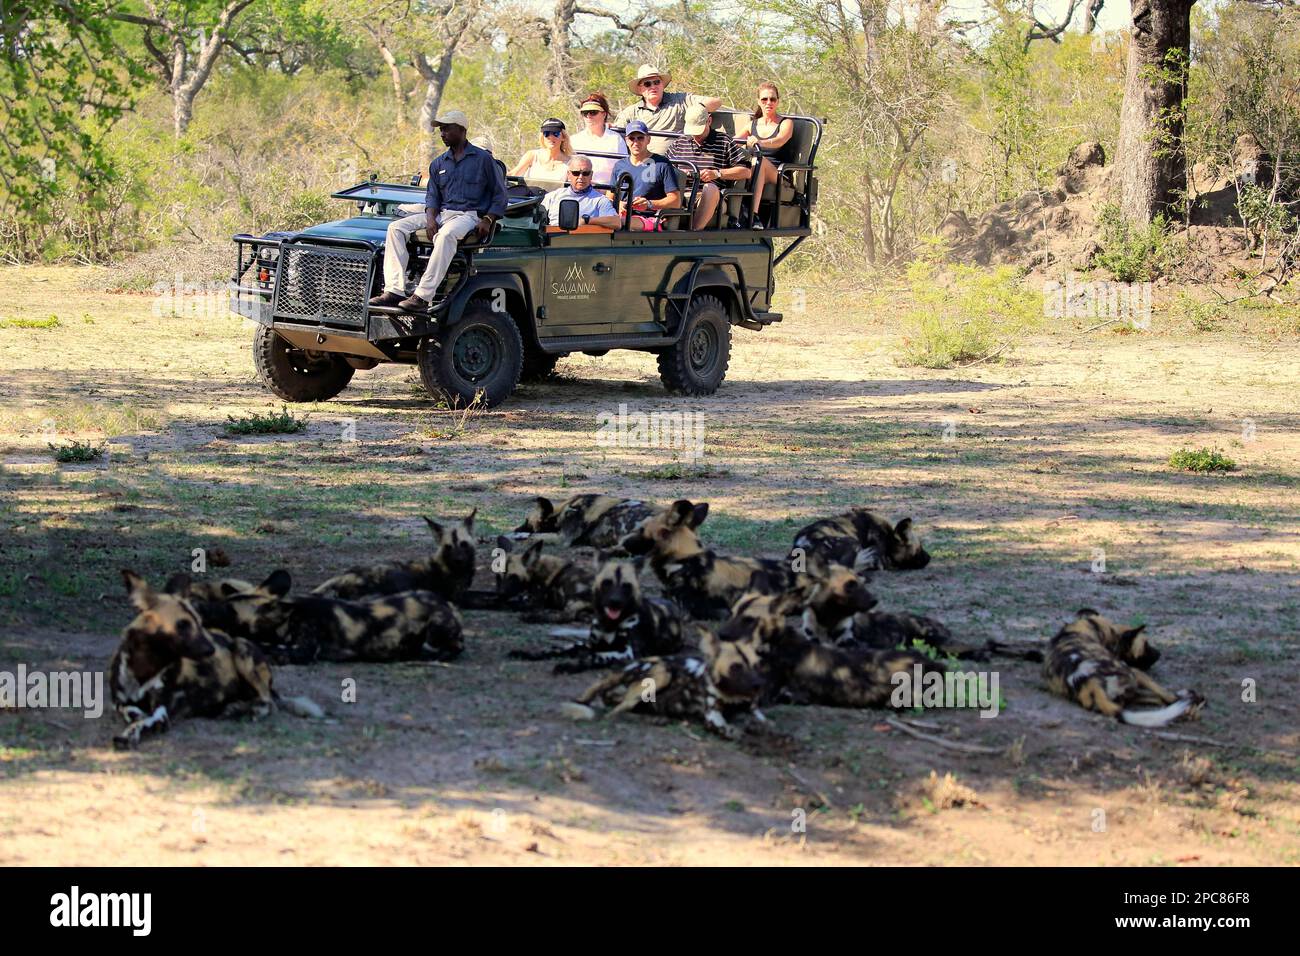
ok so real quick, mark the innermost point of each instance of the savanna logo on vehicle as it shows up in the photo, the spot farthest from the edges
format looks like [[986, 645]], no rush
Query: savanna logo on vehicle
[[573, 285]]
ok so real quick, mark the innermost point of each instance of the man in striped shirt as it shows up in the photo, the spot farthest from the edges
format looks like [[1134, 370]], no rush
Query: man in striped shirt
[[719, 158]]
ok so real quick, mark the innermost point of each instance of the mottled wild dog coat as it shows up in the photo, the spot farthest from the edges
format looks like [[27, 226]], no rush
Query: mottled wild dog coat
[[626, 625], [863, 541], [544, 581], [1102, 667], [447, 572], [719, 684], [801, 671], [702, 582], [169, 666], [596, 520], [411, 625]]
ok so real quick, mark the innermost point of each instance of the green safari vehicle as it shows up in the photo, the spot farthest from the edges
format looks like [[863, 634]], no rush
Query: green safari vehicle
[[512, 306]]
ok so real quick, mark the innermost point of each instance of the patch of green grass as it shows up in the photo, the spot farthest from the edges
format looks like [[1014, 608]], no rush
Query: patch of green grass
[[1132, 252], [676, 471], [283, 422], [1201, 316], [50, 323], [77, 451], [1201, 460]]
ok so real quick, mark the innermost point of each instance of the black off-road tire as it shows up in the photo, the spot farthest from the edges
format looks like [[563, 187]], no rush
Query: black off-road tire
[[538, 365], [298, 375], [697, 364], [482, 353]]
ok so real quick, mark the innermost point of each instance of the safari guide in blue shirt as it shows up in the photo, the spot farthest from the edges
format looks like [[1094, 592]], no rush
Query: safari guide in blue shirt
[[466, 193], [594, 207]]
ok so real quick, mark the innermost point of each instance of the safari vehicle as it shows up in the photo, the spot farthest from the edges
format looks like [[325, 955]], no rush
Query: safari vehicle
[[513, 305]]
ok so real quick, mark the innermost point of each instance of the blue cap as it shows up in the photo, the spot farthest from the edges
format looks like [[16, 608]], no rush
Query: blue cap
[[636, 126]]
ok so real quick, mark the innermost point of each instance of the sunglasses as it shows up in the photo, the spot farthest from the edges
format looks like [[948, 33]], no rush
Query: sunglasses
[[579, 172], [591, 112], [551, 132], [646, 84], [768, 99], [636, 137]]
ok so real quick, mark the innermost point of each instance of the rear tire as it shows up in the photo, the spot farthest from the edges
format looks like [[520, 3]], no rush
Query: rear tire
[[297, 375], [697, 364], [482, 353]]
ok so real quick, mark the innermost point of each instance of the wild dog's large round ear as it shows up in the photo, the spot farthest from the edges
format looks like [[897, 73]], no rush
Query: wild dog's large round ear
[[1085, 612], [699, 513], [791, 602], [277, 583], [532, 551], [468, 520], [679, 512], [138, 590], [904, 528], [505, 544], [178, 584], [544, 506], [434, 526]]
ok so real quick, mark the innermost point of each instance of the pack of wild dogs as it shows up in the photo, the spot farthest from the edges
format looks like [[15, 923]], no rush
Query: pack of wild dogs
[[725, 637]]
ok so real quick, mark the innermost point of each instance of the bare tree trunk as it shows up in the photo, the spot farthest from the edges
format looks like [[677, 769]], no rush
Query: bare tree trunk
[[399, 95], [1151, 165], [868, 226], [559, 71], [435, 76]]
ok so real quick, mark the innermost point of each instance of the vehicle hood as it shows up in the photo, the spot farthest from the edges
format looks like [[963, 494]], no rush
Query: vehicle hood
[[370, 228]]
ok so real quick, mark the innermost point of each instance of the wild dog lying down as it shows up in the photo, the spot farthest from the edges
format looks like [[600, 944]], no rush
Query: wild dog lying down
[[540, 581], [626, 625], [863, 541], [1103, 666], [410, 625], [596, 520], [447, 572], [170, 666], [801, 671], [701, 581], [719, 684]]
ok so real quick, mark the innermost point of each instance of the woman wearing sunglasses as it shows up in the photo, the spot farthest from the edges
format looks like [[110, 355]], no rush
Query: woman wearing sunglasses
[[771, 133], [598, 137], [549, 163]]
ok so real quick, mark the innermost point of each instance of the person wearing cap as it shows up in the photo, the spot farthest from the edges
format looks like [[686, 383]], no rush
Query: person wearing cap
[[657, 108], [719, 158], [598, 137], [594, 207], [466, 193], [549, 162], [654, 180]]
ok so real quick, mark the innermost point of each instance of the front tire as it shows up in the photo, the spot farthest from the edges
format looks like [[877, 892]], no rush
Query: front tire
[[297, 375], [697, 364], [483, 354]]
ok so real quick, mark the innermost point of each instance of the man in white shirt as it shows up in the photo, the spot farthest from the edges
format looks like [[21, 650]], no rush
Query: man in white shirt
[[594, 207]]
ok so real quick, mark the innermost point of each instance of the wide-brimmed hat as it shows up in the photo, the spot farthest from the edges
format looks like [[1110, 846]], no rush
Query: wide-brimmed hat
[[452, 118], [644, 71]]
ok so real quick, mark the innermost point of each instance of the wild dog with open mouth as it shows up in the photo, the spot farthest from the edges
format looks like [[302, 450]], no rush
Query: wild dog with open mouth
[[544, 582], [720, 684], [595, 520], [626, 625], [863, 541], [409, 625], [1102, 667], [170, 666], [803, 671], [448, 572], [701, 581]]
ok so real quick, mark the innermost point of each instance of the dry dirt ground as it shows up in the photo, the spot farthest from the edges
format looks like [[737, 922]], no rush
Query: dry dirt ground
[[1024, 475]]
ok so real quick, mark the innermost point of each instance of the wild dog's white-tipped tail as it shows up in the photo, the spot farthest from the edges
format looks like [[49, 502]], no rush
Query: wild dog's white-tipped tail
[[575, 711], [1163, 716], [302, 707]]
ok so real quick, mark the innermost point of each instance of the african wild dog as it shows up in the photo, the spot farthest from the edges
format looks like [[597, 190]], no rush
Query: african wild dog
[[803, 671], [719, 684], [447, 572], [543, 582], [409, 625], [626, 625], [863, 541], [596, 520], [169, 666], [1102, 667], [703, 582]]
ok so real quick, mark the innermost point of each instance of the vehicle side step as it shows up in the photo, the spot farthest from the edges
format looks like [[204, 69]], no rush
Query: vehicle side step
[[767, 318]]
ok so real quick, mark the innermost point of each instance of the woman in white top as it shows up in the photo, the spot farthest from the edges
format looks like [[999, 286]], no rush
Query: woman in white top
[[549, 163], [598, 137]]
